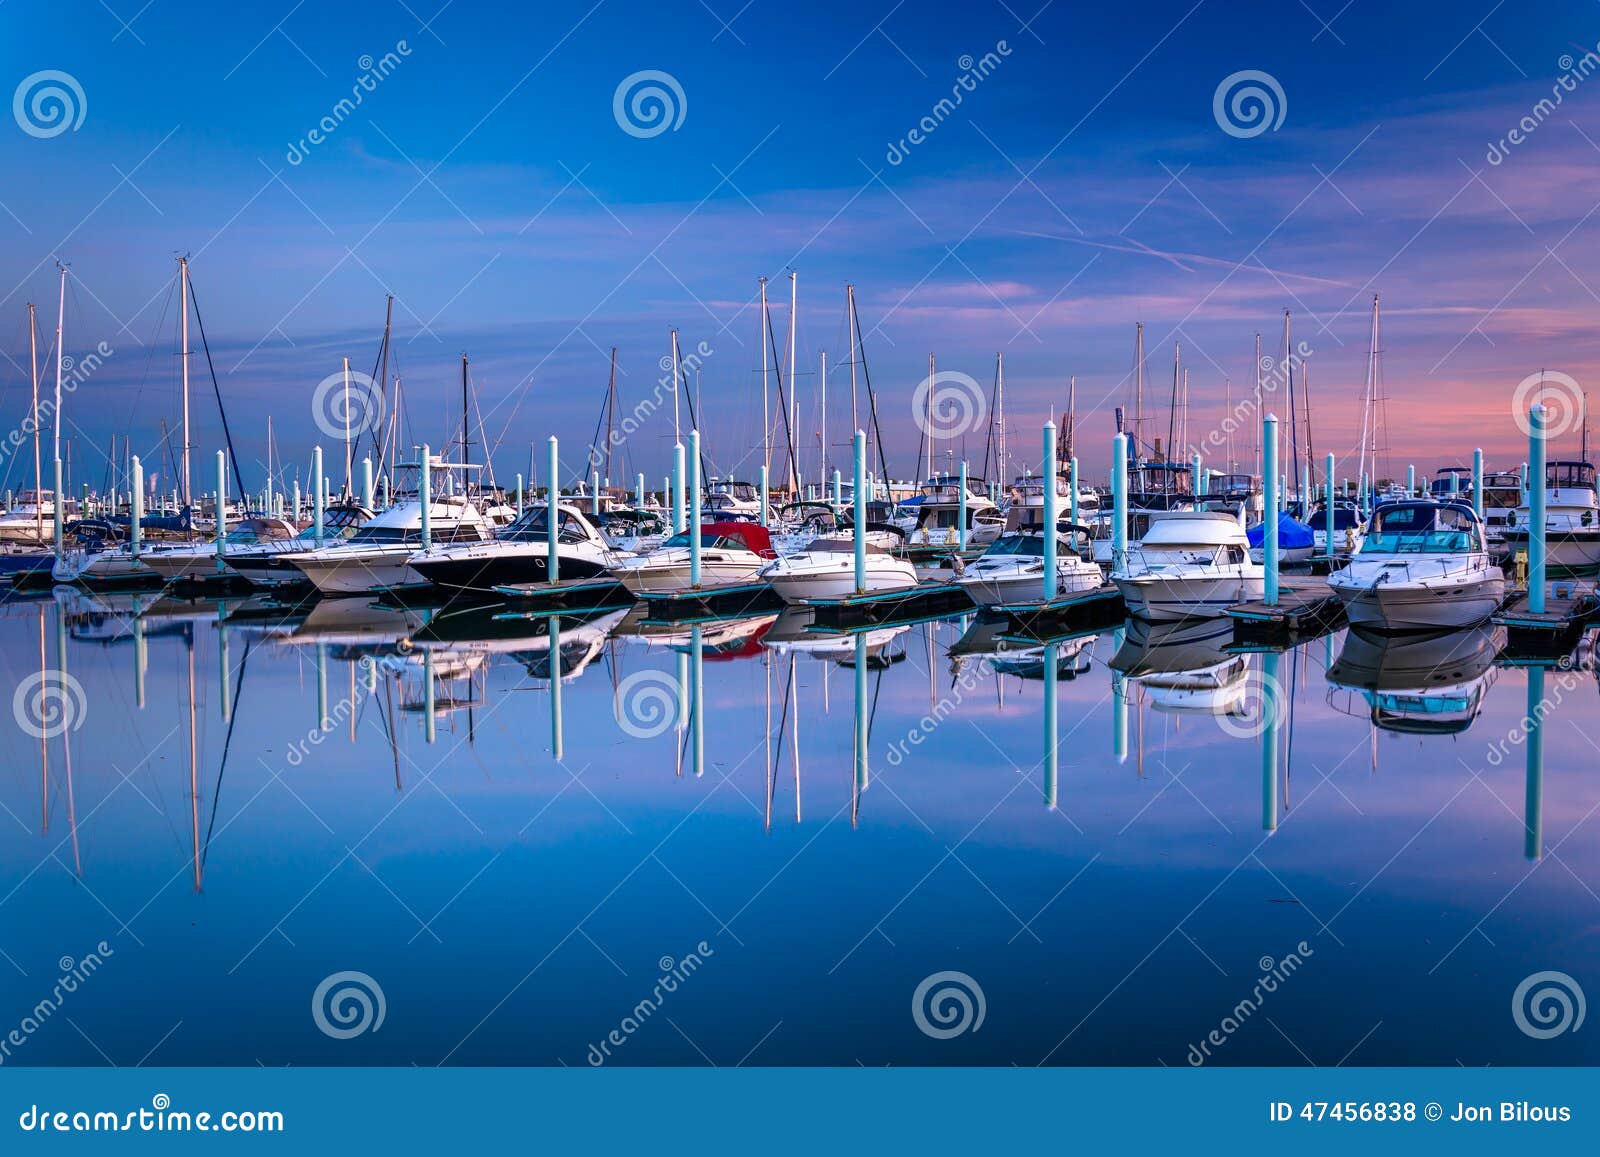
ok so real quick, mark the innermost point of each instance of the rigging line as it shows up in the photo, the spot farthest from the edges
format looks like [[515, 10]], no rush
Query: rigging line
[[860, 353], [783, 405], [227, 434]]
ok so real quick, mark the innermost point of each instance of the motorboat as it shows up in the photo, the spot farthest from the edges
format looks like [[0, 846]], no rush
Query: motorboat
[[1502, 494], [1423, 566], [1347, 529], [937, 518], [634, 530], [826, 569], [1011, 571], [730, 553], [264, 563], [729, 498], [1296, 540], [1571, 519], [518, 554], [1190, 564], [378, 555], [200, 561], [31, 519]]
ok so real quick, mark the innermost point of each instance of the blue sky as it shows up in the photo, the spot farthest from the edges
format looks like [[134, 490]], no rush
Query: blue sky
[[1082, 186]]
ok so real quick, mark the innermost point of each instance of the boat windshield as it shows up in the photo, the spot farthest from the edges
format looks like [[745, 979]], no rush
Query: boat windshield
[[1030, 545], [385, 535], [534, 526], [1413, 528], [1569, 475], [708, 541]]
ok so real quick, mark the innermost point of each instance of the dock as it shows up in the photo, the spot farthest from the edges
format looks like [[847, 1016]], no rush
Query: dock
[[1064, 616], [921, 603], [1569, 610], [1303, 610], [711, 602], [564, 595]]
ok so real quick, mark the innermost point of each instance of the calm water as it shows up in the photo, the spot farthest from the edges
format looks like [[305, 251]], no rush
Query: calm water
[[514, 905]]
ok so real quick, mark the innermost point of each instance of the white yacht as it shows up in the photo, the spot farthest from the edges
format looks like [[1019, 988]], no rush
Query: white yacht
[[31, 519], [826, 569], [264, 564], [730, 553], [730, 498], [1011, 571], [1502, 494], [937, 519], [518, 554], [1190, 564], [1571, 518], [378, 555], [199, 561], [1423, 566]]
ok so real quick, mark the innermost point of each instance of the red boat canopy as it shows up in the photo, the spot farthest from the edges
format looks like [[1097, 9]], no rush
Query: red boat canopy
[[753, 535]]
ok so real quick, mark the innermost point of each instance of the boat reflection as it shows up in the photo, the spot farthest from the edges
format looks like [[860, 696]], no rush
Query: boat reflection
[[795, 633], [985, 642], [1415, 684], [1183, 667]]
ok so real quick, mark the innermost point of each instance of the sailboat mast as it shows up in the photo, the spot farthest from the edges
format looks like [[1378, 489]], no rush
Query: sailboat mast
[[1072, 415], [794, 385], [1256, 439], [1372, 374], [38, 471], [466, 445], [766, 401], [1138, 387], [850, 308], [55, 417], [1000, 415], [929, 410], [183, 277], [822, 383], [349, 460]]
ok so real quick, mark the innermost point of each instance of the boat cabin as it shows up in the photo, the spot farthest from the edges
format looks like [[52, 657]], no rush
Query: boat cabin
[[1424, 528]]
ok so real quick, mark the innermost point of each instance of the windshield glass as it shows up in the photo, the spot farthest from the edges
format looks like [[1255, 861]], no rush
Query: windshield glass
[[1019, 544]]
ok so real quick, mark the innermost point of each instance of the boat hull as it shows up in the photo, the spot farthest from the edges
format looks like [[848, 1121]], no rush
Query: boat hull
[[672, 578], [1419, 607], [1172, 600], [482, 575], [358, 573]]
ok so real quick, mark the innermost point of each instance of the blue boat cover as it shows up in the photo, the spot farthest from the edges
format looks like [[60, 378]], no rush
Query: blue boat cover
[[1292, 533]]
